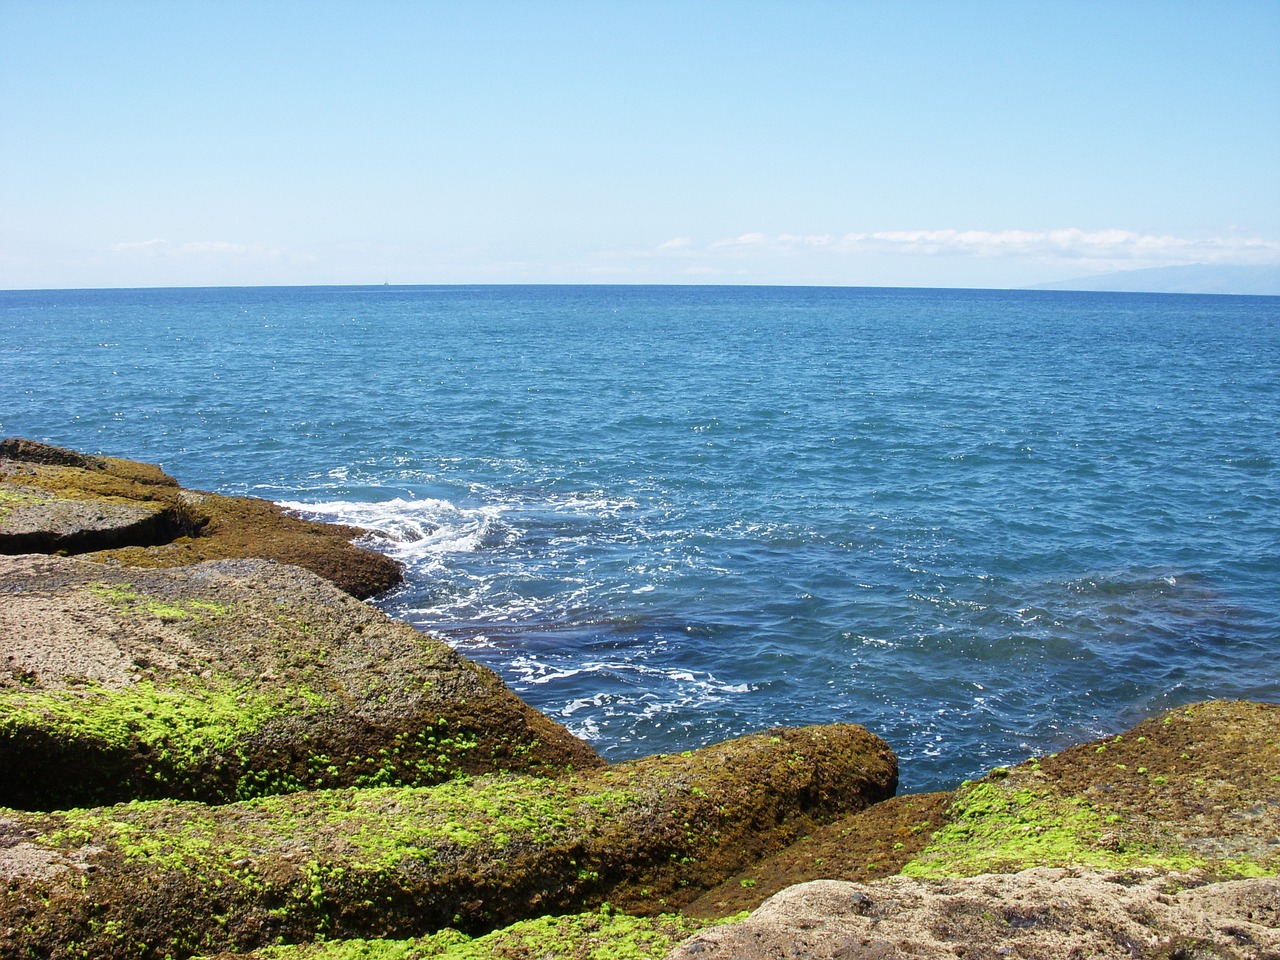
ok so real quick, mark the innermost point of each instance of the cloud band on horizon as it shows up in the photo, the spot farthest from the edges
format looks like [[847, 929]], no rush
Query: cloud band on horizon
[[1099, 249]]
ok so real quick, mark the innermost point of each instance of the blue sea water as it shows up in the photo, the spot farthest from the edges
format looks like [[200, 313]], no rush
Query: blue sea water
[[984, 524]]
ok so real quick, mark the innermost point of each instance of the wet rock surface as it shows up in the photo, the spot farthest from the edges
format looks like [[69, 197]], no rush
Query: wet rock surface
[[867, 845]]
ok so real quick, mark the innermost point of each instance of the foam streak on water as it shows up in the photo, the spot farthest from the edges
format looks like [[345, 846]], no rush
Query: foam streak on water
[[983, 524]]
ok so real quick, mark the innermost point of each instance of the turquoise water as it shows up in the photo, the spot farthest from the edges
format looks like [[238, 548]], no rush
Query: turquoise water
[[984, 524]]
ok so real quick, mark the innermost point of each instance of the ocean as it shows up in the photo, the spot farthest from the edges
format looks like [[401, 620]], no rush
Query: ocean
[[984, 524]]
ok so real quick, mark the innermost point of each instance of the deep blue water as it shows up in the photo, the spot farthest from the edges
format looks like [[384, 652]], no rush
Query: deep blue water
[[984, 524]]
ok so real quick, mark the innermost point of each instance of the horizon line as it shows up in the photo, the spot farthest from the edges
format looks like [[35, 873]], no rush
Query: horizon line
[[1041, 288]]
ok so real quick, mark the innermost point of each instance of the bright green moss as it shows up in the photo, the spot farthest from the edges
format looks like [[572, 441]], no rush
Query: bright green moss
[[17, 496], [194, 730], [174, 730], [590, 936], [429, 755], [178, 721], [582, 937], [381, 828], [124, 598], [14, 498], [425, 947], [368, 837], [189, 843], [1001, 827], [388, 826]]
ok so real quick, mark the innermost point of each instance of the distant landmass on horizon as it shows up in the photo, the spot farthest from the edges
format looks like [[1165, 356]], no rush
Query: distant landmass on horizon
[[1262, 280]]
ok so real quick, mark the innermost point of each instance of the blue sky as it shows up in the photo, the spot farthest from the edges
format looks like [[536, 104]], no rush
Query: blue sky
[[928, 143]]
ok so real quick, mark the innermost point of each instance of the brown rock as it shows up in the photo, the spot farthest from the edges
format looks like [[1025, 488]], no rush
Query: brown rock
[[1186, 799], [59, 501], [177, 879], [235, 679], [1194, 788], [866, 845]]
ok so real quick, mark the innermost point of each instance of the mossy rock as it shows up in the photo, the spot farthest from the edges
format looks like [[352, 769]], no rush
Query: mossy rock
[[1195, 789], [599, 935], [867, 845], [233, 679], [169, 878], [54, 500]]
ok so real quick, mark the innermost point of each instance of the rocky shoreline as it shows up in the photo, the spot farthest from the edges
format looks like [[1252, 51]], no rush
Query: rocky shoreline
[[210, 747]]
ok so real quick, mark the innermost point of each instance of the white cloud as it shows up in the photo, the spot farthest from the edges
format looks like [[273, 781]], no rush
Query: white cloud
[[782, 242], [1086, 250], [792, 240], [1105, 246], [139, 246], [217, 247], [676, 243], [746, 240]]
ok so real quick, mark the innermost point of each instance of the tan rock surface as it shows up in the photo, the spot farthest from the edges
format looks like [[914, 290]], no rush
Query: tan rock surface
[[233, 679], [1039, 914]]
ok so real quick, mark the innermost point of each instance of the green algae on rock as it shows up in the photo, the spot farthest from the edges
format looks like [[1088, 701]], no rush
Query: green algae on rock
[[1197, 788], [1113, 804], [600, 935], [235, 679], [54, 500], [180, 878]]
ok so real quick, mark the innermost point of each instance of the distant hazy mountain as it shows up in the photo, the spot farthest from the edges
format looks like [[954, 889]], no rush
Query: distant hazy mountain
[[1193, 278]]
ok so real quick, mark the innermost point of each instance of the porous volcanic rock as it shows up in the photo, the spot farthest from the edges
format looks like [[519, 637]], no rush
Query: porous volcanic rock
[[54, 500], [1038, 914], [236, 678], [169, 878]]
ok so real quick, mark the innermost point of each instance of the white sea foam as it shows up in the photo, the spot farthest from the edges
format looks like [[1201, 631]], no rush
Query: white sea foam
[[583, 503], [635, 690], [552, 675], [413, 529]]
